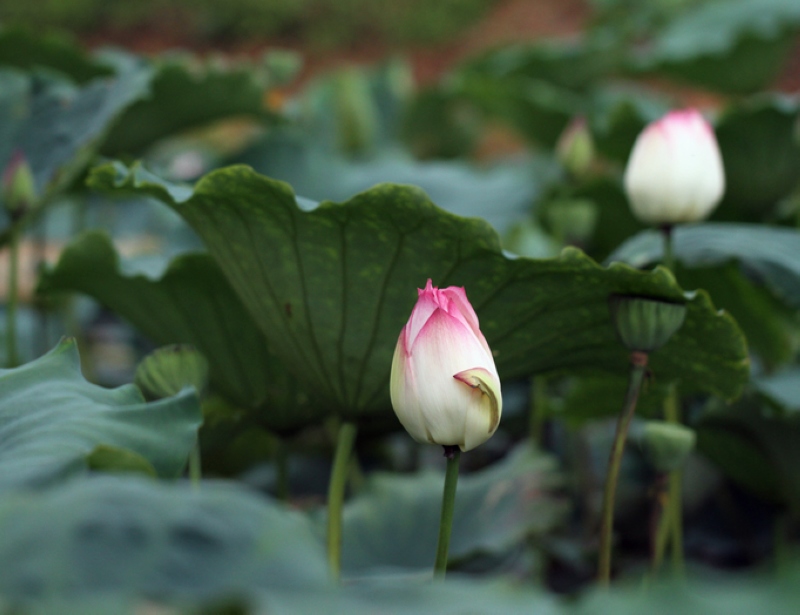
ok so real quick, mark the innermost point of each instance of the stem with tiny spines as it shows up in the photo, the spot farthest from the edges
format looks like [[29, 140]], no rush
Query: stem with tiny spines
[[345, 440], [453, 454], [637, 372]]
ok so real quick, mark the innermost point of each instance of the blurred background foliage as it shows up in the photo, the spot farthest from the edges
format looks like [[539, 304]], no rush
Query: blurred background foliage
[[530, 134]]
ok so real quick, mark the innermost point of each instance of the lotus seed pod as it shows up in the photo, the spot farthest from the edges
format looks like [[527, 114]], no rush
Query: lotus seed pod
[[667, 445], [645, 324]]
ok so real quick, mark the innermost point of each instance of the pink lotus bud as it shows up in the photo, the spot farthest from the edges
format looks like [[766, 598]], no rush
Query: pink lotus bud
[[675, 171], [445, 388]]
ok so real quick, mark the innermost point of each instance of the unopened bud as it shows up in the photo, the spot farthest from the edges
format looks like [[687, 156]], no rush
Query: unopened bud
[[667, 445], [645, 324], [19, 185], [575, 147]]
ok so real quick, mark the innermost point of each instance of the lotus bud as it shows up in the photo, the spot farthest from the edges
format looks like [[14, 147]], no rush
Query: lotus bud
[[675, 172], [575, 147], [444, 385], [645, 324], [18, 185], [667, 445]]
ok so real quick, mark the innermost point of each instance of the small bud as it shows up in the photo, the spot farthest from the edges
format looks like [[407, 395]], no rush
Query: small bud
[[667, 445], [575, 147], [167, 370], [19, 185], [645, 324], [675, 172]]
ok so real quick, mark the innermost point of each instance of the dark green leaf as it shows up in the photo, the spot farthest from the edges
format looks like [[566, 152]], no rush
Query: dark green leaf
[[193, 304], [56, 125], [732, 596], [137, 538], [729, 45], [763, 319], [21, 48], [331, 288], [51, 419], [761, 153], [756, 446], [183, 97], [770, 254]]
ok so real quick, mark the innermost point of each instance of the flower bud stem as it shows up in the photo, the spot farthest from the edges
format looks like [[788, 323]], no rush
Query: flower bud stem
[[12, 359], [341, 465], [669, 255], [453, 454], [638, 369]]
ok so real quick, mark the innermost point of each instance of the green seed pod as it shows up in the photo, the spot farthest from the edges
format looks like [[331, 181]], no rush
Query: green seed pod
[[667, 445], [167, 370], [645, 324]]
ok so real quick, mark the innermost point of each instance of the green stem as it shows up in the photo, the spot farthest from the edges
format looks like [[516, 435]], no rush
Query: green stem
[[12, 359], [453, 454], [281, 469], [341, 466], [638, 368], [195, 468], [669, 255], [674, 513]]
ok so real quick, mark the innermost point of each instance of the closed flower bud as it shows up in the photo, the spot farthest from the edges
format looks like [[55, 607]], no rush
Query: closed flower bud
[[575, 147], [675, 172], [645, 324], [18, 185], [444, 386]]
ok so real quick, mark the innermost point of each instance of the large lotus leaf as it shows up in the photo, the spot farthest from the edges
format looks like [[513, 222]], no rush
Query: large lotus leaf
[[764, 320], [502, 194], [21, 48], [141, 539], [734, 595], [496, 508], [405, 595], [57, 125], [771, 254], [539, 110], [572, 64], [52, 420], [183, 97], [191, 303], [761, 154], [332, 287], [728, 45], [757, 447]]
